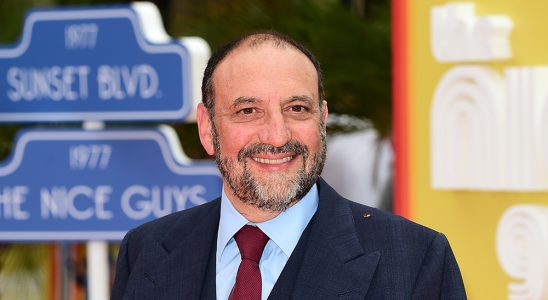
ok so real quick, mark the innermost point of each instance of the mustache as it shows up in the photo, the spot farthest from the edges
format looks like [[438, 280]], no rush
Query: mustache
[[292, 146]]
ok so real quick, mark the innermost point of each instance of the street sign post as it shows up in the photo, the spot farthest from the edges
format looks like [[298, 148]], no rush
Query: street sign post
[[94, 65]]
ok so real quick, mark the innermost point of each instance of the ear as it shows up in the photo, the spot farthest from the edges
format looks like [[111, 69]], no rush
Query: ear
[[324, 115], [204, 129]]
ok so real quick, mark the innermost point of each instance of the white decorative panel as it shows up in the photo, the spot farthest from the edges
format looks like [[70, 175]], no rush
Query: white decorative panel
[[522, 251], [542, 136], [467, 141], [458, 35], [526, 128]]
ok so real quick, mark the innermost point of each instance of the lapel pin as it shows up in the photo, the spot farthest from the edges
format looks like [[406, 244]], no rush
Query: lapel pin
[[366, 215]]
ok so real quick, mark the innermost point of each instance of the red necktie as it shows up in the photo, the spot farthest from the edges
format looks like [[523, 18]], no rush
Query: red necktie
[[251, 242]]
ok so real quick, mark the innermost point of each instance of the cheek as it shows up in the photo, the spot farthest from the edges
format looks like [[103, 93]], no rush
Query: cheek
[[234, 140], [308, 135]]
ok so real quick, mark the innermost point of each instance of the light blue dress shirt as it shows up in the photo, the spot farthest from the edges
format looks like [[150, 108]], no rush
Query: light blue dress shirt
[[284, 232]]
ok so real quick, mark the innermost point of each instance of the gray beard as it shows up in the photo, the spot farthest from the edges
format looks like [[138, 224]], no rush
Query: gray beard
[[274, 192]]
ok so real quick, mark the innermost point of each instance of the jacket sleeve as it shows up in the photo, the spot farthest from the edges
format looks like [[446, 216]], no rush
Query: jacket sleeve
[[439, 276], [122, 271]]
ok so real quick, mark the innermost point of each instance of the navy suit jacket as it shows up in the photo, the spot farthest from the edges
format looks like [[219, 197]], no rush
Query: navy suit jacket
[[348, 251]]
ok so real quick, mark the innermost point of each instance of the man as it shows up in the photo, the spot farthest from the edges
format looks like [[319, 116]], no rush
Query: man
[[263, 118]]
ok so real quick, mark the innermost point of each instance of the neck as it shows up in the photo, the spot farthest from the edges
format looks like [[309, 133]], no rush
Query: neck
[[252, 213]]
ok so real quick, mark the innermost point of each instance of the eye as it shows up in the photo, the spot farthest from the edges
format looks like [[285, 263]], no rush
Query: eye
[[247, 111], [298, 108], [246, 114]]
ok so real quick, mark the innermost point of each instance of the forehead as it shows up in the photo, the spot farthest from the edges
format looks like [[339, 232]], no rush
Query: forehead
[[265, 70]]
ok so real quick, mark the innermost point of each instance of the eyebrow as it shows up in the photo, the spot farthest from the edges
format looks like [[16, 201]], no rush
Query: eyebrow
[[302, 98], [244, 100], [247, 100]]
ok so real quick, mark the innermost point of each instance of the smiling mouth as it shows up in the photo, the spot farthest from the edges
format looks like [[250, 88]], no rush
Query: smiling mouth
[[273, 161]]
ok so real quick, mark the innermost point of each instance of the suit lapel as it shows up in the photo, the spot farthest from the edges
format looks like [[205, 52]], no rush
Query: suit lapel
[[185, 256], [335, 264]]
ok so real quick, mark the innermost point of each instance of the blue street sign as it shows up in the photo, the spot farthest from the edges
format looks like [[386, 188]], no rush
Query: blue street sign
[[96, 185], [100, 64]]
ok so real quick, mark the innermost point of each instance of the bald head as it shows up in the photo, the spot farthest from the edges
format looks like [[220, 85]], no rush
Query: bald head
[[252, 41]]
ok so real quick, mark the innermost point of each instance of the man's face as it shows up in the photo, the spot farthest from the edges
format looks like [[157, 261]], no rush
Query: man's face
[[268, 132]]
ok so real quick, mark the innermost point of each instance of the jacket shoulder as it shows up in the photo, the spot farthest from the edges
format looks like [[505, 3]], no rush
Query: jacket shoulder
[[391, 230], [414, 257], [160, 229]]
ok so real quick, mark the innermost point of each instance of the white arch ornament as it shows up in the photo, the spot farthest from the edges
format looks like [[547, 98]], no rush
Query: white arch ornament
[[466, 139], [522, 250]]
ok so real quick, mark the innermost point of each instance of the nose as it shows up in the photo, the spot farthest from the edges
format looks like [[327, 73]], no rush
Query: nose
[[275, 131]]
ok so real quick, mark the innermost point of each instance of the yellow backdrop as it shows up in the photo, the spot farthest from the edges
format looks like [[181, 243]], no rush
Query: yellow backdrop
[[468, 218]]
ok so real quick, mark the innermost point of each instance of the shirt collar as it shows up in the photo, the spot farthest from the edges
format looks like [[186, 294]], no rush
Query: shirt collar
[[284, 230]]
